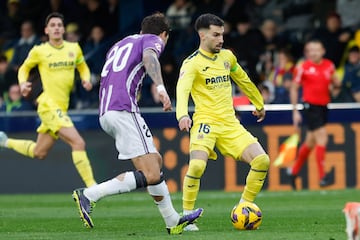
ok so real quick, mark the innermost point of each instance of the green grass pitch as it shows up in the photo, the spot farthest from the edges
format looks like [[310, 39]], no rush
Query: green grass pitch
[[286, 215]]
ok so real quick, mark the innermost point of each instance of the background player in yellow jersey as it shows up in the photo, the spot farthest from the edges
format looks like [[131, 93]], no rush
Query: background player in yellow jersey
[[56, 60], [206, 76]]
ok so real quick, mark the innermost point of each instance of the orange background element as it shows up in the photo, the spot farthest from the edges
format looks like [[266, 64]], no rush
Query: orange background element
[[335, 159]]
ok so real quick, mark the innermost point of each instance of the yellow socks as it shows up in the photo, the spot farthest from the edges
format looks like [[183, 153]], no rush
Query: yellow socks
[[24, 147], [83, 166], [191, 183], [256, 176], [80, 159]]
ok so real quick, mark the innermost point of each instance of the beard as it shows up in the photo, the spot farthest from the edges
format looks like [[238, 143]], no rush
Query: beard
[[216, 49]]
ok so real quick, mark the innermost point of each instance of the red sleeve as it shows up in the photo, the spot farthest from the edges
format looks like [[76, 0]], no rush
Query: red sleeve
[[298, 72]]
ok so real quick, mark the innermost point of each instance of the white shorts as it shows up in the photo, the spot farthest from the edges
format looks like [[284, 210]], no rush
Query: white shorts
[[132, 136]]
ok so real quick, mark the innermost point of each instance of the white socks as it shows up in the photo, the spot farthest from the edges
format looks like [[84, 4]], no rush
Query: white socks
[[115, 186], [111, 187], [167, 211]]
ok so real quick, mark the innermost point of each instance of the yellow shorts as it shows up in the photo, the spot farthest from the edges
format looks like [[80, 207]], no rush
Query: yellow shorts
[[230, 138], [52, 121]]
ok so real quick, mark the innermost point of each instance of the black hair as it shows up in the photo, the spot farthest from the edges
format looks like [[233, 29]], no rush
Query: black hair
[[315, 40], [354, 49], [54, 15], [205, 20], [155, 24]]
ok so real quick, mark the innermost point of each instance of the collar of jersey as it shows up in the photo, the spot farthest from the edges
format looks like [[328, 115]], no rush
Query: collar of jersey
[[56, 47], [207, 55]]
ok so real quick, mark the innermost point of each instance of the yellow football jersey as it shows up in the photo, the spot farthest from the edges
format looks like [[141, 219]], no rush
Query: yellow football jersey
[[207, 77], [57, 71]]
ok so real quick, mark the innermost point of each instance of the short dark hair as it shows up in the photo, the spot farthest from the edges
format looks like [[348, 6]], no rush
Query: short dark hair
[[354, 49], [315, 40], [54, 15], [155, 24], [205, 20]]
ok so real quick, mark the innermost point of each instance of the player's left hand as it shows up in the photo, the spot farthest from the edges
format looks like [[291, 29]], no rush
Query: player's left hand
[[259, 114], [87, 85]]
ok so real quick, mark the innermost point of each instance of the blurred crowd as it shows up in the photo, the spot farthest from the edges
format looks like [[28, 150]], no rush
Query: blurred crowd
[[267, 37]]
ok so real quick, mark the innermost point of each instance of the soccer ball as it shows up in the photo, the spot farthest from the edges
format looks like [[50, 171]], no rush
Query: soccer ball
[[246, 216]]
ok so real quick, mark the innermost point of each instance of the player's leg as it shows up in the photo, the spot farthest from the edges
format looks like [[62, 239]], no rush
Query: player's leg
[[147, 175], [259, 162], [29, 148], [79, 156], [202, 141], [191, 182], [44, 143], [125, 128], [22, 146], [303, 153], [148, 172], [237, 142], [129, 127], [50, 124], [321, 138], [150, 165]]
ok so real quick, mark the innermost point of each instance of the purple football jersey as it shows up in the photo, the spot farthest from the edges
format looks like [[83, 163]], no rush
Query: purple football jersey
[[123, 72]]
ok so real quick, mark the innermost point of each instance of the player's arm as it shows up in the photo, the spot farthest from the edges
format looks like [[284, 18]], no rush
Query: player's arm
[[294, 95], [84, 70], [335, 80], [153, 69], [240, 77], [183, 89], [23, 74]]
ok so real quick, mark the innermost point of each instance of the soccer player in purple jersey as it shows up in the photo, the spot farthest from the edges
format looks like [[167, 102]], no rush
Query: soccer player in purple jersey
[[126, 64]]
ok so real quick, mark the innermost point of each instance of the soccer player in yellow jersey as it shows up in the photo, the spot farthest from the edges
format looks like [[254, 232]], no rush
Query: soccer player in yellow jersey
[[206, 75], [56, 60]]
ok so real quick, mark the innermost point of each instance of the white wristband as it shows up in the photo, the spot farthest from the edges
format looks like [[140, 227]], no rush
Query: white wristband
[[160, 88]]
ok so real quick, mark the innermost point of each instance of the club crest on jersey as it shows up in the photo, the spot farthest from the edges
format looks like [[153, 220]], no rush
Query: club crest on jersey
[[200, 136], [71, 55], [158, 46], [227, 65], [312, 70]]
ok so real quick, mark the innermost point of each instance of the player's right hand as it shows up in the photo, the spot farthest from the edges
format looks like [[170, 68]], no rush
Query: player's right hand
[[165, 100], [25, 88], [185, 123]]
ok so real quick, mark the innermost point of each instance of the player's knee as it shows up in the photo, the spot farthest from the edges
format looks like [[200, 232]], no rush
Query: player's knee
[[261, 162], [196, 168], [79, 144], [152, 178], [40, 154]]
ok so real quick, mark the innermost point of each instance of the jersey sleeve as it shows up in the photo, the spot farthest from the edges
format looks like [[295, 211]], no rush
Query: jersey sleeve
[[30, 62], [81, 65], [298, 72], [183, 89], [153, 42], [240, 77]]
